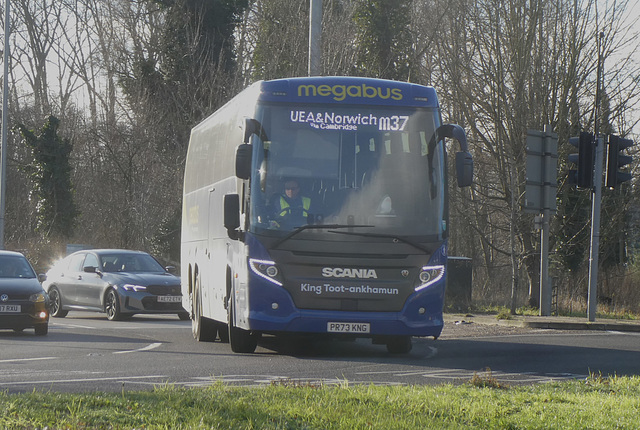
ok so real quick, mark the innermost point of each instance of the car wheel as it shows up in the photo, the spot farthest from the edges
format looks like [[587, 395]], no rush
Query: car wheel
[[41, 329], [18, 330], [112, 306], [240, 340], [183, 316], [55, 308]]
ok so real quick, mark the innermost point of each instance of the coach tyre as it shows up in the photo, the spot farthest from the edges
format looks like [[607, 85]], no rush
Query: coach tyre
[[56, 304], [399, 345], [196, 327], [240, 340], [223, 332], [203, 330]]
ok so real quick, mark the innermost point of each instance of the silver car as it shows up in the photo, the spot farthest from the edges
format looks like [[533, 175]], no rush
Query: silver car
[[119, 282]]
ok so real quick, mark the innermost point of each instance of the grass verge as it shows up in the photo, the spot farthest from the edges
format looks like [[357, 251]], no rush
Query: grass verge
[[503, 313], [602, 403]]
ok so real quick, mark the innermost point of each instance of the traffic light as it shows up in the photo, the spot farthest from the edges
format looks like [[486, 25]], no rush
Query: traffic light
[[584, 160], [615, 161]]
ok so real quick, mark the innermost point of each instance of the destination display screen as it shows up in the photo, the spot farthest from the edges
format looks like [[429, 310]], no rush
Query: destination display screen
[[330, 120]]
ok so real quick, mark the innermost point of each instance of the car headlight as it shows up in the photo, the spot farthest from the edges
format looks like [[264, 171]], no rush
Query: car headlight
[[429, 275], [37, 298], [267, 270], [132, 287]]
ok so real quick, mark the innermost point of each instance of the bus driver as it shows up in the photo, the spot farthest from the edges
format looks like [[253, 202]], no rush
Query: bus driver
[[290, 208]]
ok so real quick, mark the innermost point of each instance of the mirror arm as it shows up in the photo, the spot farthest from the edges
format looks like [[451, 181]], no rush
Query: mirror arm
[[456, 132]]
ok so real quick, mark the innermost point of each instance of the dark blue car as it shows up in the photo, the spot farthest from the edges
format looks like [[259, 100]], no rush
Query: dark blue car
[[23, 302]]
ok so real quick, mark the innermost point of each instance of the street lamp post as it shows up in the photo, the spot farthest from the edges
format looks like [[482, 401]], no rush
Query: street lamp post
[[5, 122]]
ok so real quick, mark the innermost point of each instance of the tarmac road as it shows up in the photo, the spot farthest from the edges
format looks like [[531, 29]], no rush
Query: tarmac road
[[86, 352]]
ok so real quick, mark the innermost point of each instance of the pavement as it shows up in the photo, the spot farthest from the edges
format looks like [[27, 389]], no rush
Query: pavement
[[546, 322]]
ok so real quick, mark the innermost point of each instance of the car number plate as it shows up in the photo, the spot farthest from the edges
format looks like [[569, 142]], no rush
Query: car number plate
[[10, 308], [348, 327], [170, 299]]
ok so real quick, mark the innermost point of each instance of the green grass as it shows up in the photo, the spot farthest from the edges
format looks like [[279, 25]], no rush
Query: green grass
[[602, 403], [503, 312], [625, 315]]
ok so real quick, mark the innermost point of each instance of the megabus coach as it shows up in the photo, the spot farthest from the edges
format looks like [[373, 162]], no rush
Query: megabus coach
[[367, 254]]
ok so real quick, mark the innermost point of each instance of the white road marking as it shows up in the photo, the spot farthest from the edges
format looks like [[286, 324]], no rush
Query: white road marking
[[146, 348], [18, 360], [56, 325], [58, 381]]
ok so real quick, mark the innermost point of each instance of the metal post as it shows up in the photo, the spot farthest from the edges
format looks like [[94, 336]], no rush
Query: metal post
[[5, 121], [592, 296], [315, 37], [545, 293], [595, 231], [549, 175]]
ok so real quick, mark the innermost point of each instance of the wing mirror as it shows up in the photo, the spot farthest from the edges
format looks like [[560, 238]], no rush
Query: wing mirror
[[464, 160]]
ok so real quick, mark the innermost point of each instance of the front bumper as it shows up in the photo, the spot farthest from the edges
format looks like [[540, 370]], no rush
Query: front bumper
[[381, 324], [421, 315], [33, 314], [143, 302]]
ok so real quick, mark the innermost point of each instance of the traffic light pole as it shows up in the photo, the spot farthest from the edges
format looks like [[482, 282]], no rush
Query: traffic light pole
[[592, 297], [5, 122], [550, 149]]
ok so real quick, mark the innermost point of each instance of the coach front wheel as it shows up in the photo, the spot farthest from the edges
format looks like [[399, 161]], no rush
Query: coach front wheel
[[399, 345], [240, 340]]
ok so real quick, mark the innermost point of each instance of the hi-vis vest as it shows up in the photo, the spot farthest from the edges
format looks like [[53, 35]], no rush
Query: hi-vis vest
[[285, 207]]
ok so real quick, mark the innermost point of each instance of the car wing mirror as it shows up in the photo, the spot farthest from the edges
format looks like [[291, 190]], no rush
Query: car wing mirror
[[92, 269]]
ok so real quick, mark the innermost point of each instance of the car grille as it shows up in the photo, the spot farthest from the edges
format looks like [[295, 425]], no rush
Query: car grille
[[151, 304], [18, 297], [164, 290]]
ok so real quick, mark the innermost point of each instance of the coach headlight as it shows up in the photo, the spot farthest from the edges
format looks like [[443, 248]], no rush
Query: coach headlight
[[429, 275], [267, 270]]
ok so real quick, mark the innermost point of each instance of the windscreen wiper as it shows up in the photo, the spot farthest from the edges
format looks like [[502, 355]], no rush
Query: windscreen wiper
[[390, 236], [316, 227]]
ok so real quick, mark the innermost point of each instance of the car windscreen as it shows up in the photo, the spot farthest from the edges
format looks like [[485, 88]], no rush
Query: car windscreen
[[131, 263], [15, 267]]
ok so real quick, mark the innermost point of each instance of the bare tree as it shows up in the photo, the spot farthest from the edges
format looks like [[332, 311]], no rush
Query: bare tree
[[512, 66]]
